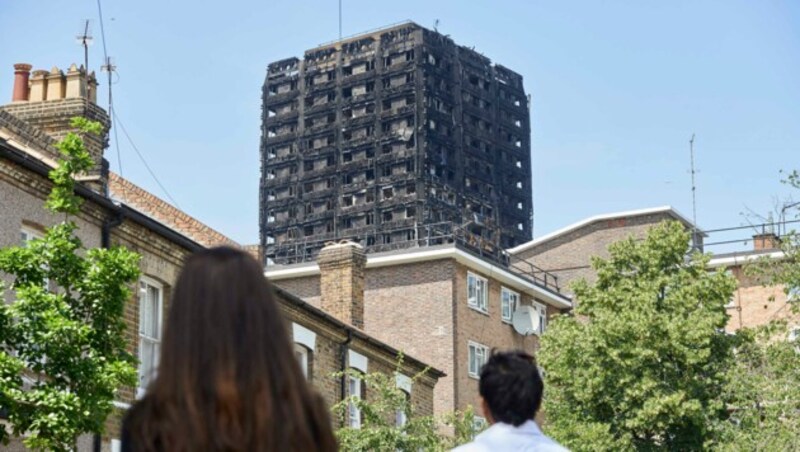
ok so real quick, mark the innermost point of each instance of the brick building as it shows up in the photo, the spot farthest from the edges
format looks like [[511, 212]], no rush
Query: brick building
[[393, 138], [567, 252], [443, 304], [756, 301], [117, 211]]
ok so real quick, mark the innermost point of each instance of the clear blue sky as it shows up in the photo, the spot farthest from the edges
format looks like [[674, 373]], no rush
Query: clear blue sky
[[618, 88]]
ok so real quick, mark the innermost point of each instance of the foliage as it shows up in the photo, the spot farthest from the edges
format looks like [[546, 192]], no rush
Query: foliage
[[764, 385], [379, 429], [641, 362], [62, 347], [764, 392]]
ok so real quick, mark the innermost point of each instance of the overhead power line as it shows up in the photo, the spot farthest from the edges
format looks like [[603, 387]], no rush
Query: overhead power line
[[144, 161]]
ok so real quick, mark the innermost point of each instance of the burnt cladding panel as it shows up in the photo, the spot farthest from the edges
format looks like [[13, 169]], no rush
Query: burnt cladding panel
[[279, 124], [380, 136]]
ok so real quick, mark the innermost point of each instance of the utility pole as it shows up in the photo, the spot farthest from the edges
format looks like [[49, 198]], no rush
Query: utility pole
[[340, 20]]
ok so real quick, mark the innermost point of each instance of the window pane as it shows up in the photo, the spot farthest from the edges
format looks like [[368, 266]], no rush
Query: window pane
[[155, 314], [145, 356], [354, 413], [472, 364], [471, 289]]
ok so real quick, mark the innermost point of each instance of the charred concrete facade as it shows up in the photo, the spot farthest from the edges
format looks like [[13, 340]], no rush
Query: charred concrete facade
[[397, 138]]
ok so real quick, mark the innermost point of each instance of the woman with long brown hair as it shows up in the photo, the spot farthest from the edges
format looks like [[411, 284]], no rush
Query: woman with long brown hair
[[228, 378]]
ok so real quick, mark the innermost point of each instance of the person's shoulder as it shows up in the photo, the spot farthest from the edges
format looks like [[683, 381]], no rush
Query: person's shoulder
[[471, 447], [547, 444]]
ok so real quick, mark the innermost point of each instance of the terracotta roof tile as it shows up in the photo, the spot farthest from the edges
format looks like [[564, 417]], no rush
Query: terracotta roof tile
[[145, 202]]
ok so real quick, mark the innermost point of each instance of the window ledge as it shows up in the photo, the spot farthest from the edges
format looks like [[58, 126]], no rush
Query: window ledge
[[477, 309]]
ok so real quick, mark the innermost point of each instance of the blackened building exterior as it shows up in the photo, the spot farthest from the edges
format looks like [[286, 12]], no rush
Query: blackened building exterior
[[396, 138]]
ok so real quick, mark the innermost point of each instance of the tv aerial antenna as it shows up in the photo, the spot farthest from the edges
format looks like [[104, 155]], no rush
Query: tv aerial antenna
[[694, 192], [85, 40]]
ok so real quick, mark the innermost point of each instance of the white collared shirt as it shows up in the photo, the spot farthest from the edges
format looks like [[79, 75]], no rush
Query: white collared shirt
[[505, 437]]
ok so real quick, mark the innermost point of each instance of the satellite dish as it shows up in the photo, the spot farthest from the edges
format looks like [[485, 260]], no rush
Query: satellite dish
[[525, 320]]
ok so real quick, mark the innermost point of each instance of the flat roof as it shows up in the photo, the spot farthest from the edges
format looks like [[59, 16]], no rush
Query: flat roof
[[608, 216], [448, 251], [742, 257]]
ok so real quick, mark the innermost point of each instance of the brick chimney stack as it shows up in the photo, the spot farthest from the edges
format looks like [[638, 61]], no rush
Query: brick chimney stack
[[766, 241], [22, 73], [342, 268], [48, 100]]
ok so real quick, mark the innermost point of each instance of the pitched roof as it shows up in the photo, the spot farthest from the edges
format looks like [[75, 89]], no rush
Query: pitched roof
[[669, 210], [149, 204]]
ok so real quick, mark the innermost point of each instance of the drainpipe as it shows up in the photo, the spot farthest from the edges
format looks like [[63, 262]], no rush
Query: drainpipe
[[105, 242], [108, 225], [344, 349]]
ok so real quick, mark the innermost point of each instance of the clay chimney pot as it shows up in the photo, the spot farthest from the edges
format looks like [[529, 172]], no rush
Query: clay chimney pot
[[22, 73]]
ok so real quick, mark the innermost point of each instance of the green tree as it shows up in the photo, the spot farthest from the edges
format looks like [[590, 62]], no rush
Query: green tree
[[62, 351], [763, 391], [764, 385], [379, 429], [641, 362]]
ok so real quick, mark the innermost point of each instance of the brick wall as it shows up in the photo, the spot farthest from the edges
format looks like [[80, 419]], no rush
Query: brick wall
[[421, 309], [411, 307], [305, 287], [755, 303], [327, 358], [342, 282], [22, 195], [484, 328], [568, 255], [53, 117]]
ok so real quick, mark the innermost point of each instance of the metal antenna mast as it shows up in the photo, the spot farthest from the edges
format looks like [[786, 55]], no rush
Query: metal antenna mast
[[109, 67], [694, 190], [85, 40]]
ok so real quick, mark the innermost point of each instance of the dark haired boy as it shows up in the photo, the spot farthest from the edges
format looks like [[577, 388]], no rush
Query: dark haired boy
[[511, 393]]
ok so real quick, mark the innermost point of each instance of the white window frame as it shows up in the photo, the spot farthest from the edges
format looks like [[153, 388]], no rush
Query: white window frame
[[478, 298], [27, 234], [480, 353], [400, 415], [144, 380], [509, 300], [404, 384], [304, 336], [301, 352], [353, 412], [541, 309]]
